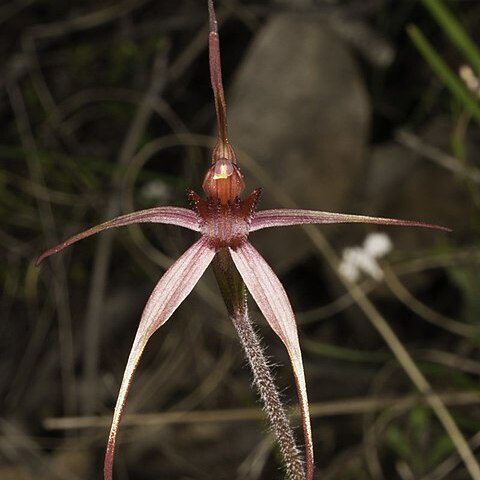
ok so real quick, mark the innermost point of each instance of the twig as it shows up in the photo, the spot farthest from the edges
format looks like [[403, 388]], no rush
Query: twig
[[451, 360], [424, 311], [350, 406], [448, 465], [436, 155]]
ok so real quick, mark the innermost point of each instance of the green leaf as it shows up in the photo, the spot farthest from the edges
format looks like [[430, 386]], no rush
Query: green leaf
[[455, 32], [448, 77]]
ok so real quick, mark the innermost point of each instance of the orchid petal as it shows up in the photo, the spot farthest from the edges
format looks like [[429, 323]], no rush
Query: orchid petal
[[286, 217], [273, 302], [167, 215], [177, 282]]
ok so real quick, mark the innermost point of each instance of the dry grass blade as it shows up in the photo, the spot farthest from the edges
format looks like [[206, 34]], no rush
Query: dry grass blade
[[348, 406]]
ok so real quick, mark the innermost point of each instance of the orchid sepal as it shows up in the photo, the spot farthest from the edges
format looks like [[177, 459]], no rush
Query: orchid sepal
[[179, 216], [270, 296], [174, 286], [289, 217]]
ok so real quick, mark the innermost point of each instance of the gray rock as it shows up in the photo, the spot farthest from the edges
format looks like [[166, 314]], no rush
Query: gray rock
[[299, 108]]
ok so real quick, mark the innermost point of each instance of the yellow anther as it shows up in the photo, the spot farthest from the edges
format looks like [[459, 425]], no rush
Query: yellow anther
[[223, 169]]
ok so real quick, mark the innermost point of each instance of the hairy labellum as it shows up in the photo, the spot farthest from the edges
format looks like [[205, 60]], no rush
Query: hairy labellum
[[225, 224]]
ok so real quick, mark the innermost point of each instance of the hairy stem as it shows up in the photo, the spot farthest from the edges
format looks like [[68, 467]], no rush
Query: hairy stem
[[233, 291], [269, 394]]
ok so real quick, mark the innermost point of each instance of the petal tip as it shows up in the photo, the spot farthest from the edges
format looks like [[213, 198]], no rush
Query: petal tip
[[42, 257], [442, 228]]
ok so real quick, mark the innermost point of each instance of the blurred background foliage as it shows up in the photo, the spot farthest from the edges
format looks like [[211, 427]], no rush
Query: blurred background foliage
[[106, 107]]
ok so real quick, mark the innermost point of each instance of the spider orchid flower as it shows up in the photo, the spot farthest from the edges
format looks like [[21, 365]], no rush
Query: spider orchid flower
[[224, 221]]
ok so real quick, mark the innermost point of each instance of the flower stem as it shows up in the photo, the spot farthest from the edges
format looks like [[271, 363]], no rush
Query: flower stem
[[234, 293], [269, 394]]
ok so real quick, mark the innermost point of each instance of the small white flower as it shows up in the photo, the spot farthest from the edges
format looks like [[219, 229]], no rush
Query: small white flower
[[348, 267], [471, 80], [377, 244], [358, 260]]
